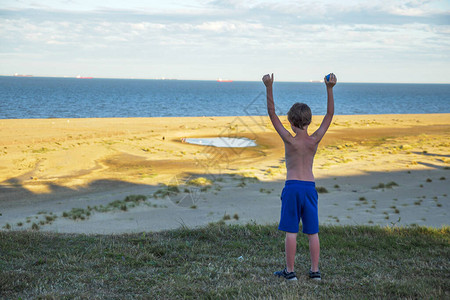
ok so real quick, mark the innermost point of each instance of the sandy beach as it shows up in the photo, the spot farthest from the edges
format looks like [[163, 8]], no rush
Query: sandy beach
[[74, 175]]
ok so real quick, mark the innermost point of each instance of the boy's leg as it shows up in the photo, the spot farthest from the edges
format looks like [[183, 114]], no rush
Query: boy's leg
[[290, 245], [314, 250]]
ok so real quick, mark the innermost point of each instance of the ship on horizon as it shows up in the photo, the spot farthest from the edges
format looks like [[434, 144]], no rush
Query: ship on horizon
[[83, 77], [20, 75], [224, 80]]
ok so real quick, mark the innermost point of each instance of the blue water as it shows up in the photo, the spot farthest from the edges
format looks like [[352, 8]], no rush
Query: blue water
[[41, 97]]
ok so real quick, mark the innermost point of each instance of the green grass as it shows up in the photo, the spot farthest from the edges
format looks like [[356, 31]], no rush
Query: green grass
[[248, 179], [41, 150], [267, 191], [199, 181], [167, 191], [357, 262], [321, 190], [84, 213], [388, 185]]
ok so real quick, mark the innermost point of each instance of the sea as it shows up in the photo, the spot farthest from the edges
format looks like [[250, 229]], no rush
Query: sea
[[49, 97]]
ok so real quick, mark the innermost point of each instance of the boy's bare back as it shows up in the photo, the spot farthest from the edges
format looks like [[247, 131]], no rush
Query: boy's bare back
[[300, 148]]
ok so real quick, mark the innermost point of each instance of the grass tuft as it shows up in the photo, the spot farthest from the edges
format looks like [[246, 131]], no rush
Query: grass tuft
[[321, 190], [167, 190], [263, 190], [388, 185], [135, 198], [84, 213], [199, 181]]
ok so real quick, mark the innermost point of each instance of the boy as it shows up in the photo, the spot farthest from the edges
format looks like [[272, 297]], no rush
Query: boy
[[299, 196]]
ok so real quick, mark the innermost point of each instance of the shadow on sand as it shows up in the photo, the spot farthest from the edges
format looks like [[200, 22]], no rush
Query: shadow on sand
[[229, 189]]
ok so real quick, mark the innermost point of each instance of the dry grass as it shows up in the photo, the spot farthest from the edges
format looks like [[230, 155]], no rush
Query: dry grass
[[224, 261]]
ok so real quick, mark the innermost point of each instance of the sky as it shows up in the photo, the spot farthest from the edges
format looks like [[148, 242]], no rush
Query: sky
[[360, 41]]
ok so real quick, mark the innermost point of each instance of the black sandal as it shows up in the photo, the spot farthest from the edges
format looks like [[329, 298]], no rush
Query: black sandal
[[315, 275], [286, 275]]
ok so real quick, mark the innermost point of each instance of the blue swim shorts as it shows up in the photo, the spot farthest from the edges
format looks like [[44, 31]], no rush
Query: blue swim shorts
[[299, 201]]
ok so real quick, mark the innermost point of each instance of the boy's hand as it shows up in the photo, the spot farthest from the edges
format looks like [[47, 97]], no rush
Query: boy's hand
[[332, 82], [268, 81]]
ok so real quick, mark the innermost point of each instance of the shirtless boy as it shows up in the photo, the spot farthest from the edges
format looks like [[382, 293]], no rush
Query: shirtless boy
[[299, 196]]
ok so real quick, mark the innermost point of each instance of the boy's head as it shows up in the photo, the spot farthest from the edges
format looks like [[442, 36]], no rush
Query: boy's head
[[299, 115]]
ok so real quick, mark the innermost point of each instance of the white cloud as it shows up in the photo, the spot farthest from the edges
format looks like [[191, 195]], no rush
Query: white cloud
[[412, 7], [217, 26]]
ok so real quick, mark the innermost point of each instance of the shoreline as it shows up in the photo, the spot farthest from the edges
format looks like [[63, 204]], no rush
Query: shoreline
[[54, 165], [191, 117]]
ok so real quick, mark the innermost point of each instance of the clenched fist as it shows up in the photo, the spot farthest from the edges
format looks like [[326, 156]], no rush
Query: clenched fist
[[268, 80]]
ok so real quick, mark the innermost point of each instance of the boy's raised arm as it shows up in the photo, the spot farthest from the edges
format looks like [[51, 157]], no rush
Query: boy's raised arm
[[318, 135], [284, 134]]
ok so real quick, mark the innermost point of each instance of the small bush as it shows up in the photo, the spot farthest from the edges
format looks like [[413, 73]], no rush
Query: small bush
[[379, 186], [199, 181], [50, 219], [205, 188], [388, 185], [321, 190], [242, 184], [135, 198], [391, 184], [35, 226], [75, 214], [169, 190]]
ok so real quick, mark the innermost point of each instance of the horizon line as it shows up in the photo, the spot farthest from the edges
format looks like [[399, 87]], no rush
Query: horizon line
[[215, 80]]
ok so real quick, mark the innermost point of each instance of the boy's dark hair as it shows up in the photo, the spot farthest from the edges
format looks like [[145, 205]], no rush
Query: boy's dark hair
[[300, 115]]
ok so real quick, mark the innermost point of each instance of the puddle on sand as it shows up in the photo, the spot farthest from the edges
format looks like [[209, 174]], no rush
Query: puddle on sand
[[224, 142]]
